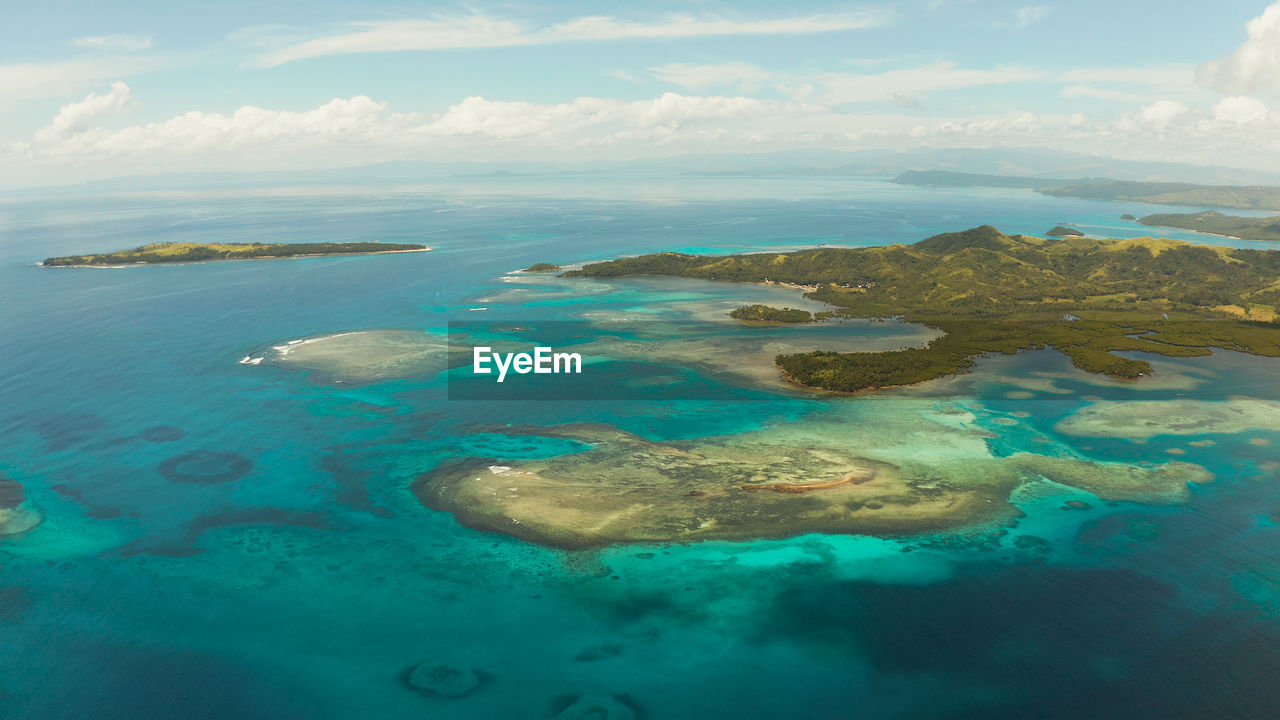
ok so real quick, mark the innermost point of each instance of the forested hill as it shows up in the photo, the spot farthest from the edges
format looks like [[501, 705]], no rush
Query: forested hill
[[1210, 221], [983, 272], [995, 292], [199, 252]]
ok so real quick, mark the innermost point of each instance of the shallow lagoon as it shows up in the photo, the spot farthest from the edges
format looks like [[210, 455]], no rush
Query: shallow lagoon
[[308, 583]]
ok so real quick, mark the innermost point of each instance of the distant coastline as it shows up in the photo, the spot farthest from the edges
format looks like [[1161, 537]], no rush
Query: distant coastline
[[1210, 222], [1246, 197], [183, 253]]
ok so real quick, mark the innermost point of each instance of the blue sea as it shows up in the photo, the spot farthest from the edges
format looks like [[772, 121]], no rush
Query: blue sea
[[221, 540]]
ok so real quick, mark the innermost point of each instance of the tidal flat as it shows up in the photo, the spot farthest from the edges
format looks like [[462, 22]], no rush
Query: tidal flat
[[1145, 419], [888, 467], [360, 355]]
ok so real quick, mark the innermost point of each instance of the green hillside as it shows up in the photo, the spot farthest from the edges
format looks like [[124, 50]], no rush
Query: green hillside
[[197, 252], [992, 292], [1211, 221]]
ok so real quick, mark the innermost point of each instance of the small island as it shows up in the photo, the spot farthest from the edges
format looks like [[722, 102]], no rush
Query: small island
[[541, 267], [158, 253], [766, 314], [1062, 231], [1215, 223], [1127, 216], [994, 293]]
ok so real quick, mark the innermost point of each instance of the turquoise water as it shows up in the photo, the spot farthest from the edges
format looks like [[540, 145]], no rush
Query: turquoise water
[[222, 540]]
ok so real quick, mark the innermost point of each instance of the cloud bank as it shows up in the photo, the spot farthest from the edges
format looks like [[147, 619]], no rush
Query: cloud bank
[[127, 43], [480, 31], [360, 129], [73, 118], [1255, 65]]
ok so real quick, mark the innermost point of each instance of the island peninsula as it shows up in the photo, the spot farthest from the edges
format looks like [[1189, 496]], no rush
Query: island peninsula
[[996, 293], [1266, 229], [157, 253]]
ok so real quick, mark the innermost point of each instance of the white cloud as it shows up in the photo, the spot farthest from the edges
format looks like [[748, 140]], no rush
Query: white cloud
[[841, 88], [1028, 16], [1132, 85], [1158, 76], [1240, 110], [1160, 115], [624, 75], [911, 102], [477, 116], [349, 124], [1239, 132], [479, 31], [32, 81], [1255, 65], [905, 86], [344, 126], [1089, 91], [74, 117], [901, 87], [684, 26], [359, 130], [1019, 124], [696, 77], [127, 43]]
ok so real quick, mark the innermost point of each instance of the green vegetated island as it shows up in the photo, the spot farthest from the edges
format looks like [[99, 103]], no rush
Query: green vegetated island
[[1211, 221], [156, 253], [1250, 197], [1060, 231], [767, 314], [996, 293]]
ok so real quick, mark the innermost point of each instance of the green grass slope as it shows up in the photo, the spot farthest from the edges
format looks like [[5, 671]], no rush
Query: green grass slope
[[991, 292]]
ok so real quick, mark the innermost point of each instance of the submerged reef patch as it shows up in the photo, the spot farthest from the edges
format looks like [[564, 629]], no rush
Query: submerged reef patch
[[626, 489], [162, 434], [360, 356], [12, 494], [1148, 418], [446, 681], [183, 541], [16, 516], [64, 430], [594, 706], [206, 467]]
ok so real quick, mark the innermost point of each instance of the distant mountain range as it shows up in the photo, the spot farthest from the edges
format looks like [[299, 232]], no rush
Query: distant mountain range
[[1249, 197], [1000, 167], [1026, 164]]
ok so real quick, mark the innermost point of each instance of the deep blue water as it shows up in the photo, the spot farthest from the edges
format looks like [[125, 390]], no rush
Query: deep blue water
[[311, 580]]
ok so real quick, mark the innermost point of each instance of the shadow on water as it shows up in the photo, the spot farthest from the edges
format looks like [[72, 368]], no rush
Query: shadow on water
[[1033, 641], [178, 685]]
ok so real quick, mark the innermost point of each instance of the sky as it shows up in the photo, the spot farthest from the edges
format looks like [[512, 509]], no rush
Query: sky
[[96, 89]]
